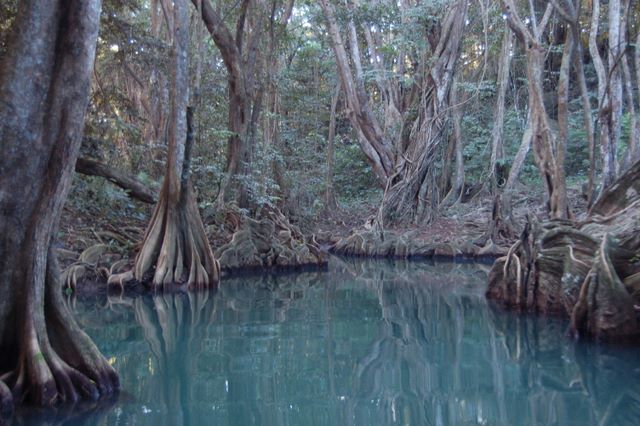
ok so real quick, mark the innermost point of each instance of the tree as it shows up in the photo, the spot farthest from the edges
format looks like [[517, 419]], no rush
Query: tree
[[403, 151], [45, 358], [497, 142], [330, 196], [244, 106], [586, 271], [548, 151], [609, 88], [570, 12], [175, 240]]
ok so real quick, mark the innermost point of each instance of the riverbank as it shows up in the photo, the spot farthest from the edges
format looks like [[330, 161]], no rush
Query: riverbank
[[95, 244]]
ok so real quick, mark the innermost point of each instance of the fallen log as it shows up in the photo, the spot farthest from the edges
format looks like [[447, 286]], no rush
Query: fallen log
[[132, 186]]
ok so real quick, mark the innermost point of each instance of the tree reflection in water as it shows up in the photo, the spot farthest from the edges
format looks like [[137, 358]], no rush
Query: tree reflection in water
[[369, 342]]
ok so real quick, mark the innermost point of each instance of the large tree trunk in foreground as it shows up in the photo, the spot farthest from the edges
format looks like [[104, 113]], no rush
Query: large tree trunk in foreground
[[44, 356], [588, 271], [175, 241]]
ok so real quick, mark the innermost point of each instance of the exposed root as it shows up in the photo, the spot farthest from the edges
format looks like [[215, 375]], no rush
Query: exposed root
[[374, 243], [90, 265], [270, 241], [604, 309], [176, 244], [587, 271]]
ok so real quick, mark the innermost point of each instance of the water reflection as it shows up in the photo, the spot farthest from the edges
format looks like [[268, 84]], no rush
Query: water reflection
[[369, 342]]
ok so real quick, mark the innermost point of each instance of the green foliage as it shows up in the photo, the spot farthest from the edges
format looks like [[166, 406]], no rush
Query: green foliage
[[7, 16], [92, 195], [354, 180]]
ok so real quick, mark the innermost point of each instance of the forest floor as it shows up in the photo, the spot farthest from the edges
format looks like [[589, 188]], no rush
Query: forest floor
[[96, 238], [461, 224]]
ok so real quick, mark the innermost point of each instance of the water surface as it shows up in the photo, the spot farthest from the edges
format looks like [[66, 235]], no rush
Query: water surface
[[366, 343]]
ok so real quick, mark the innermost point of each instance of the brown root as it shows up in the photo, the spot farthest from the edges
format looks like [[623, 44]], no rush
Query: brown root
[[176, 244], [605, 309], [588, 271], [376, 243], [270, 241], [57, 362], [499, 230]]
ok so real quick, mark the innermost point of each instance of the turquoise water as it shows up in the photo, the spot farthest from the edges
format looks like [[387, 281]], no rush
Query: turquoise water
[[366, 343]]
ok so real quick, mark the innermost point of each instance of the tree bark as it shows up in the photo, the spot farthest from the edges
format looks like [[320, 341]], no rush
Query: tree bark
[[242, 57], [375, 146], [627, 88], [606, 117], [45, 358], [239, 95], [587, 116], [416, 120], [570, 12], [563, 116], [133, 187], [455, 188]]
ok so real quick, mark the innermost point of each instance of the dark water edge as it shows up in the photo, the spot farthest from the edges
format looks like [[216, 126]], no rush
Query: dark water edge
[[366, 342]]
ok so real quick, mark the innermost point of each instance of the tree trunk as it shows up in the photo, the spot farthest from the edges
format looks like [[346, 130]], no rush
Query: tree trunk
[[587, 116], [330, 198], [497, 145], [454, 187], [605, 106], [375, 146], [614, 94], [549, 157], [239, 96], [563, 120], [45, 358], [175, 240], [570, 12]]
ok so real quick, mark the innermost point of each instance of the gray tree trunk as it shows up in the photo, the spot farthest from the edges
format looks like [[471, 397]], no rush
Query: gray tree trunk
[[45, 358]]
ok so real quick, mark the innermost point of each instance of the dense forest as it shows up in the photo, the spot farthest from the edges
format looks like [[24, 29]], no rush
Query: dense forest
[[167, 145]]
